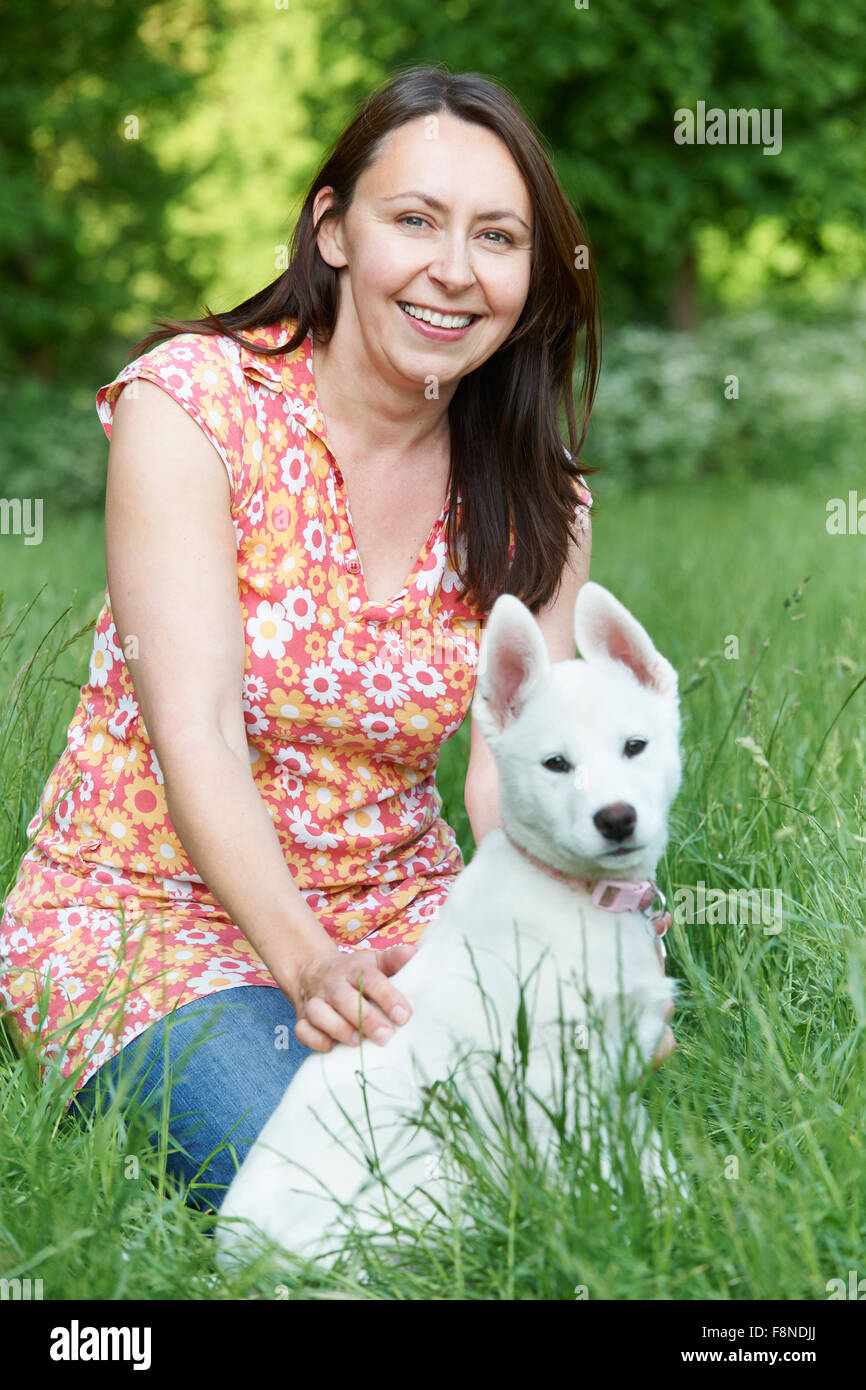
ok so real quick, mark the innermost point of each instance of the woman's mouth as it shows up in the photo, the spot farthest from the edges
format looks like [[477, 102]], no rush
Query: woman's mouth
[[435, 323]]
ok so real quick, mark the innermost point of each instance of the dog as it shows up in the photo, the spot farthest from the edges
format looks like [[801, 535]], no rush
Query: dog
[[589, 763]]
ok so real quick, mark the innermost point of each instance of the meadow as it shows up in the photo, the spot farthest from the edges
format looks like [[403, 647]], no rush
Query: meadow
[[744, 590]]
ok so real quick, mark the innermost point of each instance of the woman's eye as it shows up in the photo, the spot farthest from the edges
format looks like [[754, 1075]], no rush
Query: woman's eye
[[412, 217], [634, 746], [507, 240], [557, 763]]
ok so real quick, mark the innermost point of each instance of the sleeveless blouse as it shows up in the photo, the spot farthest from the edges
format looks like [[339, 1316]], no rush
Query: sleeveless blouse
[[347, 703]]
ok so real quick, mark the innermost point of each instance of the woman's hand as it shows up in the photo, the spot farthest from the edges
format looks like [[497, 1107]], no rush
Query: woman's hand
[[325, 995], [668, 1041]]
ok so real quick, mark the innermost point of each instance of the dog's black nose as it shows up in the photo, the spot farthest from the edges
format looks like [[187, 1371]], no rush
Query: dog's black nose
[[616, 821]]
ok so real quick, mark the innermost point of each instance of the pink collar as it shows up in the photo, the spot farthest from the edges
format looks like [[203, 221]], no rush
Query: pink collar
[[627, 895]]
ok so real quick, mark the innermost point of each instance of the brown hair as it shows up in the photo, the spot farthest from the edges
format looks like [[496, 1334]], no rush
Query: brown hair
[[507, 457]]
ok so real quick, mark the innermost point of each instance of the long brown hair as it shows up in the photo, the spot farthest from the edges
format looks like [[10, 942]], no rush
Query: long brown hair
[[507, 456]]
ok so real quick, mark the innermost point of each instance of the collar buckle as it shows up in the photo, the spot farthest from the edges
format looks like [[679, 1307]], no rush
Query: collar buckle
[[656, 907], [652, 912], [627, 897]]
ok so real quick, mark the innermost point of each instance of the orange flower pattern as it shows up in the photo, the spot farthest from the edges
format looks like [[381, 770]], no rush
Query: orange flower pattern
[[347, 704]]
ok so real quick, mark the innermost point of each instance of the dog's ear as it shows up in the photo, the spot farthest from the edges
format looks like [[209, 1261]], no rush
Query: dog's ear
[[604, 628], [512, 659]]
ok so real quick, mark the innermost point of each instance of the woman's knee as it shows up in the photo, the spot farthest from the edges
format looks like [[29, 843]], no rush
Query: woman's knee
[[211, 1075]]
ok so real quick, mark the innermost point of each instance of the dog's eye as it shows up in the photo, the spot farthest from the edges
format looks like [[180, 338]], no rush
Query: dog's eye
[[557, 763], [634, 746]]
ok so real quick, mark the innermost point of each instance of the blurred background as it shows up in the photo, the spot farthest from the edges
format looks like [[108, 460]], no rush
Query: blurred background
[[154, 156]]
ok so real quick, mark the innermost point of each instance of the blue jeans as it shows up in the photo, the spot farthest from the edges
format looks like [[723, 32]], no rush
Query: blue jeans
[[220, 1066]]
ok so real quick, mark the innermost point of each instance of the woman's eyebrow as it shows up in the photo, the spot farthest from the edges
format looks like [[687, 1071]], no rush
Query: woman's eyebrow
[[494, 215]]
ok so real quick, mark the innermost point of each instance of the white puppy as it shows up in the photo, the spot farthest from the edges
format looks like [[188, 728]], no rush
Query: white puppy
[[562, 896]]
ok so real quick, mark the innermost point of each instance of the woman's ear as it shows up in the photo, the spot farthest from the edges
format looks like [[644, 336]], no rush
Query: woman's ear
[[328, 237]]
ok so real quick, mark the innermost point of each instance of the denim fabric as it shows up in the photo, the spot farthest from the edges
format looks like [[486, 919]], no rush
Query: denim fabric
[[223, 1062]]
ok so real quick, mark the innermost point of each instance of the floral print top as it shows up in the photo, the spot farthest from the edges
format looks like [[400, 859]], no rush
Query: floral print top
[[347, 703]]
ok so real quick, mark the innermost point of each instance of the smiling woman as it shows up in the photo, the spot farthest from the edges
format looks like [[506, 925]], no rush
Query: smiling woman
[[313, 501], [439, 196]]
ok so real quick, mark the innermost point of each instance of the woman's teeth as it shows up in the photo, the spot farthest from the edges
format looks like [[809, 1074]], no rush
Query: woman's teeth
[[435, 319]]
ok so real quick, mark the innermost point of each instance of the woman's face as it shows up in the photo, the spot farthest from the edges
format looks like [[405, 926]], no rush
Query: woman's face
[[441, 221]]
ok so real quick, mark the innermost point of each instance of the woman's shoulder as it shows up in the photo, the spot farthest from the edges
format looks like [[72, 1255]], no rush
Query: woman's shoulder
[[201, 373], [186, 364]]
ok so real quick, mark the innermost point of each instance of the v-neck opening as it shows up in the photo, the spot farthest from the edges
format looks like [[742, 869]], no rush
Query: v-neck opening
[[384, 604], [368, 607]]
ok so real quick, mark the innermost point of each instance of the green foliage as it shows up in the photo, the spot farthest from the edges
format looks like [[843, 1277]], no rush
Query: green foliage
[[50, 444], [33, 701], [83, 195], [104, 227], [662, 414], [602, 84]]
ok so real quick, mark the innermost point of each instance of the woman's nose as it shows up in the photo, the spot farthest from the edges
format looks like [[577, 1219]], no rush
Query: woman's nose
[[452, 263]]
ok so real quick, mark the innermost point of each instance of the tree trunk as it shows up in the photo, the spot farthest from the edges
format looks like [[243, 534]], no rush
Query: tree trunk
[[683, 302]]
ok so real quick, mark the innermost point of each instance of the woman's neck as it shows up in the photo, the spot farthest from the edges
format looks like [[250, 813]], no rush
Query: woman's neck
[[378, 418]]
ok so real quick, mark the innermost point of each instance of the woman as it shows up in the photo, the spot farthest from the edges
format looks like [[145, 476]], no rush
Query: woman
[[312, 503]]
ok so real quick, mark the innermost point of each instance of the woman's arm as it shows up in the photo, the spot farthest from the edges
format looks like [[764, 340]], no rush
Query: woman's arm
[[481, 788], [171, 556]]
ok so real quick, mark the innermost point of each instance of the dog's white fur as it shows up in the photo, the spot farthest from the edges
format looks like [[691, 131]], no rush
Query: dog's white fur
[[505, 919]]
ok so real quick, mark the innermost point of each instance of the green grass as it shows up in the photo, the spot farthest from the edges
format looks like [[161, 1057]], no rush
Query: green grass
[[761, 1102]]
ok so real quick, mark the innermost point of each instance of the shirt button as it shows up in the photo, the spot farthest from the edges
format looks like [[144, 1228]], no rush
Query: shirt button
[[353, 565]]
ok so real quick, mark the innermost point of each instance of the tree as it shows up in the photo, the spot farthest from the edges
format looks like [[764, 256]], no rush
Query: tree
[[83, 198], [603, 84]]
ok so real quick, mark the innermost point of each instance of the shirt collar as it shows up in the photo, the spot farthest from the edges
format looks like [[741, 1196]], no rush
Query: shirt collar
[[291, 373]]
